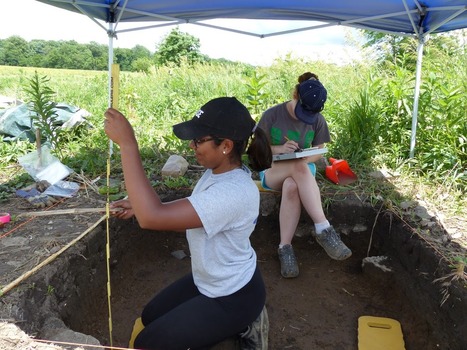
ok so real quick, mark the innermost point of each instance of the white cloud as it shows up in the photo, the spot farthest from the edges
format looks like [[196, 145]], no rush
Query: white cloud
[[31, 19]]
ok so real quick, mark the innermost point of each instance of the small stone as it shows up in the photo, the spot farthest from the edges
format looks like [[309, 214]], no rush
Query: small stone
[[359, 228], [421, 212], [407, 204], [179, 254]]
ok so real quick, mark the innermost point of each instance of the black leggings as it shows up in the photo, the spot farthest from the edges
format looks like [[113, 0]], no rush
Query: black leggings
[[180, 317]]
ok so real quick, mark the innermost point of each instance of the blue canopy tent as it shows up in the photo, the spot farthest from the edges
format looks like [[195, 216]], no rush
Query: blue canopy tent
[[417, 18]]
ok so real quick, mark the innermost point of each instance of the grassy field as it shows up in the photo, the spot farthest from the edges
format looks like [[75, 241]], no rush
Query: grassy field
[[369, 111], [156, 101]]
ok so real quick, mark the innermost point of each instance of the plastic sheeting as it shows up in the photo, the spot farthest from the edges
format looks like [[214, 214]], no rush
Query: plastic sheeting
[[16, 122]]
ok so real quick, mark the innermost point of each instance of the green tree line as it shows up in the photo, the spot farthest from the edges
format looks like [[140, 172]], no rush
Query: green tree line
[[173, 48]]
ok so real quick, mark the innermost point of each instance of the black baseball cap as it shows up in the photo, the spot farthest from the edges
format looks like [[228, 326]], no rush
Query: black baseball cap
[[312, 96], [224, 117]]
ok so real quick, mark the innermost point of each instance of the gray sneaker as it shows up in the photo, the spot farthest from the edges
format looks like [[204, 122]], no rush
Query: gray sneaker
[[256, 336], [330, 240], [289, 266]]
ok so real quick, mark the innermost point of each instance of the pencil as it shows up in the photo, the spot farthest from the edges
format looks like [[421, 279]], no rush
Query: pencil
[[298, 149]]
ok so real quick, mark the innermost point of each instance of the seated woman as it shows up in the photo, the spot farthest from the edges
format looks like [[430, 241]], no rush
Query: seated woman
[[294, 125]]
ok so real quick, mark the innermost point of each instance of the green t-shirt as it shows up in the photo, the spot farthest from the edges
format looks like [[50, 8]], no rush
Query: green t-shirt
[[280, 126]]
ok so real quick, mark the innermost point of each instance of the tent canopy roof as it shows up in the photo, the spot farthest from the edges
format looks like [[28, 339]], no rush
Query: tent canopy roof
[[401, 17]]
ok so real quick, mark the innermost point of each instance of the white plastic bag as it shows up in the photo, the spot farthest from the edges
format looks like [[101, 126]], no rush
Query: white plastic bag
[[44, 166]]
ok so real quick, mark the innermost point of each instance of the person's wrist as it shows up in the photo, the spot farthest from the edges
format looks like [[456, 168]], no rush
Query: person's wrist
[[129, 145]]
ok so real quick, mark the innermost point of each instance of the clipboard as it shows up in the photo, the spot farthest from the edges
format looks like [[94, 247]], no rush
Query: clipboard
[[307, 152]]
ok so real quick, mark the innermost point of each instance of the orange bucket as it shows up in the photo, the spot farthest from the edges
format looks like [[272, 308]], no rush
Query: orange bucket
[[339, 172]]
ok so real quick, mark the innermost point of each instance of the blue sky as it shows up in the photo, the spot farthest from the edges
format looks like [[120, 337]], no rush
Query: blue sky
[[31, 19]]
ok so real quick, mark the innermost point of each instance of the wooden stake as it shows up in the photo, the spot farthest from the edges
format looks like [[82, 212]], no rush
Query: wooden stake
[[38, 146], [67, 211]]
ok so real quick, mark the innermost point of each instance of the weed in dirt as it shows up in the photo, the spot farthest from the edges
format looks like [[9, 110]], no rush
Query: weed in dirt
[[458, 274]]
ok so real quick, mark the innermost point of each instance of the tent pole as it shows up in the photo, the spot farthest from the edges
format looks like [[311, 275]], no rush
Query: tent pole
[[418, 74]]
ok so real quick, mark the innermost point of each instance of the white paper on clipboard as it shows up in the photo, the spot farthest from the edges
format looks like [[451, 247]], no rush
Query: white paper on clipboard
[[303, 153]]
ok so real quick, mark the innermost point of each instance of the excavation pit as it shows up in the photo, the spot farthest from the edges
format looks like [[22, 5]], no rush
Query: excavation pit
[[390, 274]]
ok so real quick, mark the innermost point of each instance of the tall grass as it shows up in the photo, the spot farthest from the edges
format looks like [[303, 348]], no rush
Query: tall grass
[[369, 110]]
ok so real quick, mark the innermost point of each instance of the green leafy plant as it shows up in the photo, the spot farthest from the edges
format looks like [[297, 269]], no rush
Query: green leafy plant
[[177, 182], [256, 96], [44, 117], [360, 128], [4, 193], [50, 290], [7, 189]]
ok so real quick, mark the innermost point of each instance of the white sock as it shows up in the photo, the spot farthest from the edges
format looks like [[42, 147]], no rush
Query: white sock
[[321, 226]]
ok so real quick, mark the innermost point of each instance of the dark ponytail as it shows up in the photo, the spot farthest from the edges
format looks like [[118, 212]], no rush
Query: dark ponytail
[[307, 76], [259, 152], [304, 77]]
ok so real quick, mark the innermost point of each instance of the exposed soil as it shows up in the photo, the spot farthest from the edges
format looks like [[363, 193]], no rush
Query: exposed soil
[[317, 310]]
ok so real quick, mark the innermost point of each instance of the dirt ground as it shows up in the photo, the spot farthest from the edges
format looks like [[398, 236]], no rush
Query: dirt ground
[[317, 310]]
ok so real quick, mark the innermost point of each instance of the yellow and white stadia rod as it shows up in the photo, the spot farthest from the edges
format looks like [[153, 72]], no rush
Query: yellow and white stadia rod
[[114, 90]]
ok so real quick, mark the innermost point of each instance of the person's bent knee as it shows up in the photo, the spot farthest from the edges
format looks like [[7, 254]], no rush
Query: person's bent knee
[[289, 187]]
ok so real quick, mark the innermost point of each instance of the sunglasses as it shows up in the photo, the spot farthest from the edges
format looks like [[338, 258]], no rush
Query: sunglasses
[[198, 142]]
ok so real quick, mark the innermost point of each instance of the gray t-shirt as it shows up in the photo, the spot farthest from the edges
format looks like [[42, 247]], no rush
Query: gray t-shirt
[[278, 124], [222, 258]]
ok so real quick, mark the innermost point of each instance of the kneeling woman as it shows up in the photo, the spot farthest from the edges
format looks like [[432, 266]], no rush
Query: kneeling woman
[[224, 295]]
